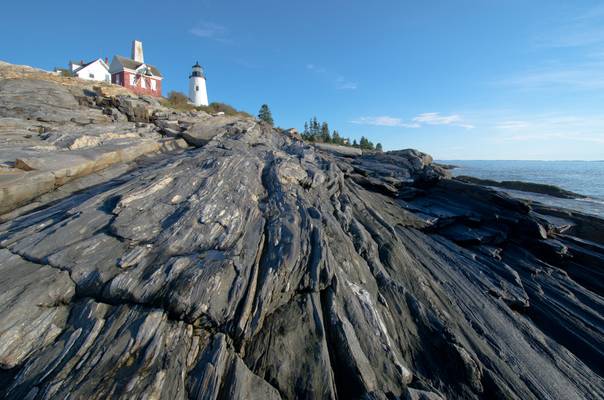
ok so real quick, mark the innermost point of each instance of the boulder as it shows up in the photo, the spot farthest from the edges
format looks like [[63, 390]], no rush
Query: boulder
[[19, 188], [202, 131], [169, 127], [292, 133], [344, 151]]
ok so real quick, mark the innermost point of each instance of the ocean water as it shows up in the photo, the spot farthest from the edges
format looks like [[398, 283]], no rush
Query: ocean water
[[583, 177]]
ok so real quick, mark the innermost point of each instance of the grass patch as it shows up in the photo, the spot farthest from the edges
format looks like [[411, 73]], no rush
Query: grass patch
[[180, 102]]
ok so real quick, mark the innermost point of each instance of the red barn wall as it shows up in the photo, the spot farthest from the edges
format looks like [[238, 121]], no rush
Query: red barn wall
[[124, 80]]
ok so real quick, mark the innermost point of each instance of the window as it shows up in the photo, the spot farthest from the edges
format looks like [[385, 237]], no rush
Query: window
[[132, 83], [91, 76], [107, 78], [153, 84], [197, 88]]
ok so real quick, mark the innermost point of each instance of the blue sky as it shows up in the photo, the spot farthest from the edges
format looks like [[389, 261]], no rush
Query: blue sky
[[464, 79]]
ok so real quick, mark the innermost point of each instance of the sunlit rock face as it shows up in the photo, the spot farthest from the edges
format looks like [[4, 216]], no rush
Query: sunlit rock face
[[259, 267]]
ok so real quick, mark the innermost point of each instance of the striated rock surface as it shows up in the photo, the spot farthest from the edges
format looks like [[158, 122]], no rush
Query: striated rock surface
[[258, 267]]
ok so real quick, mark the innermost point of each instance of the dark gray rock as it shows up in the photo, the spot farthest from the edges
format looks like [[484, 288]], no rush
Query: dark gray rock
[[344, 151], [203, 130], [34, 304], [259, 267]]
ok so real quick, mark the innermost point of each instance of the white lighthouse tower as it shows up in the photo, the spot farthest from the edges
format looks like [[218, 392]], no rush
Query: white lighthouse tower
[[197, 86]]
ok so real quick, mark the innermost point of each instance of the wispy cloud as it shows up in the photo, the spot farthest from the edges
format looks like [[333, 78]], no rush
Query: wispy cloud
[[339, 81], [343, 84], [583, 28], [584, 76], [437, 119], [416, 122], [552, 127], [512, 125], [210, 30], [565, 136], [313, 67], [577, 29], [384, 120]]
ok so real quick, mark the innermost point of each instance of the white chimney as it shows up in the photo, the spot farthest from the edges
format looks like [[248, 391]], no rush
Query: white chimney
[[137, 51]]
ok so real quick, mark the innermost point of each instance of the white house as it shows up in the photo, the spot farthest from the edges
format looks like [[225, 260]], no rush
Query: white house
[[96, 70]]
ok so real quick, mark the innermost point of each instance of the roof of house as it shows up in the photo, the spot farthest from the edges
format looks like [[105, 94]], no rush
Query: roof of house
[[131, 64], [82, 66]]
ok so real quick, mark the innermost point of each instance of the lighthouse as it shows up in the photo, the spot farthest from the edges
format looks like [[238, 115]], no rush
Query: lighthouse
[[197, 86]]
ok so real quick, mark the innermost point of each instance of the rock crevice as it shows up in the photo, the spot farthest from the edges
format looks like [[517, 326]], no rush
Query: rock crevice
[[258, 266]]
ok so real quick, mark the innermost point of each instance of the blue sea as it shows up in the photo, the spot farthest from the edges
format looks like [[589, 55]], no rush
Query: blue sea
[[583, 177]]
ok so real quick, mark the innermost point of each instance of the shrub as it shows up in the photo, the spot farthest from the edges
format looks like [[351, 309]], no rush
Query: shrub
[[180, 102], [214, 108]]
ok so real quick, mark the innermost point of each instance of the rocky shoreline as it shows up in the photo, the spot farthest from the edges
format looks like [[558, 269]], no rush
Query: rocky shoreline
[[246, 264]]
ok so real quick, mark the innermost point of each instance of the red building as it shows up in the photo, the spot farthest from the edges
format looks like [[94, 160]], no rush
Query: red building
[[134, 74]]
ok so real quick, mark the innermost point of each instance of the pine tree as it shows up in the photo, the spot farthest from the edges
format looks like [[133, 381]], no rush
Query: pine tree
[[354, 143], [315, 130], [265, 115], [335, 138], [305, 134], [325, 138], [378, 147]]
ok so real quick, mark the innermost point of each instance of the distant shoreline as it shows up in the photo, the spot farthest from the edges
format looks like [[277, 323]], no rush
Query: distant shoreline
[[581, 180], [540, 188]]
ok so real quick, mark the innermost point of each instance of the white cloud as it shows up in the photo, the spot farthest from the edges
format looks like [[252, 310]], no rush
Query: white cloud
[[416, 122], [433, 118], [343, 84], [313, 67], [581, 28], [339, 81], [512, 125], [210, 30], [552, 127], [384, 120], [578, 29], [565, 136], [586, 76]]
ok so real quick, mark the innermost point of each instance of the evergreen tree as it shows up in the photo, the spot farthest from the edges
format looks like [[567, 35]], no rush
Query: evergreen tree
[[265, 115], [354, 143], [336, 138], [378, 147], [305, 133], [325, 138], [315, 129]]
